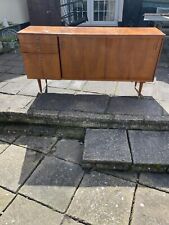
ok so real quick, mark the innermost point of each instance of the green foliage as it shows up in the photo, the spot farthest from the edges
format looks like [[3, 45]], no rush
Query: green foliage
[[8, 39]]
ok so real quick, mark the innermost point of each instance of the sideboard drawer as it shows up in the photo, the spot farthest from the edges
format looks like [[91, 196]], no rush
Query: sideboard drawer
[[38, 66], [38, 43]]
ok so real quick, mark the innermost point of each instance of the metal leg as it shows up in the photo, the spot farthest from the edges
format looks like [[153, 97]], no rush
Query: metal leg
[[135, 84], [140, 88], [40, 85], [46, 89]]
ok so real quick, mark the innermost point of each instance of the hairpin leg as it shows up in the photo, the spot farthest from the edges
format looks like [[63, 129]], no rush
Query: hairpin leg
[[46, 89], [140, 88], [40, 85]]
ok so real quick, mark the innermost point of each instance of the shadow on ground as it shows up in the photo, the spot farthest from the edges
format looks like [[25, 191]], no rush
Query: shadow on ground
[[101, 104]]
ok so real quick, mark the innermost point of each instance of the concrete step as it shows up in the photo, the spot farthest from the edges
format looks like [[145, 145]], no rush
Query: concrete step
[[85, 111], [119, 149]]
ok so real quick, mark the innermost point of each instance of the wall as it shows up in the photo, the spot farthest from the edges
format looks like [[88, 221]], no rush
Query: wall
[[15, 11]]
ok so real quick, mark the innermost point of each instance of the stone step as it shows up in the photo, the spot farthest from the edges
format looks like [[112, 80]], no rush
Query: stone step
[[119, 149], [85, 111]]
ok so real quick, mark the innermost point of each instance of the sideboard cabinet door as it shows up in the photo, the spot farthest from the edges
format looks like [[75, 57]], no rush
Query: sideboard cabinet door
[[82, 58], [132, 58]]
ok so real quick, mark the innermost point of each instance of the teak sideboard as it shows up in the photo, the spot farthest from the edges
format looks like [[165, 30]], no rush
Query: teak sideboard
[[91, 53]]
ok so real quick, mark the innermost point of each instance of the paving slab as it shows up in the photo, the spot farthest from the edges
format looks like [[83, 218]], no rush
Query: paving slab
[[77, 85], [9, 77], [2, 84], [69, 221], [130, 176], [150, 147], [103, 87], [68, 102], [5, 198], [53, 183], [60, 91], [59, 83], [27, 212], [13, 88], [9, 138], [151, 207], [16, 164], [134, 106], [4, 68], [155, 180], [39, 143], [13, 102], [18, 78], [31, 89], [69, 149], [102, 199], [125, 88], [3, 146], [17, 69], [106, 146]]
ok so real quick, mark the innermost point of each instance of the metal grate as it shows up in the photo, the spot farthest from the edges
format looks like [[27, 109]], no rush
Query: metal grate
[[73, 12]]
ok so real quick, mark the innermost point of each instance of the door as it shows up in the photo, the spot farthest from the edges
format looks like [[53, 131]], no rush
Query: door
[[44, 13]]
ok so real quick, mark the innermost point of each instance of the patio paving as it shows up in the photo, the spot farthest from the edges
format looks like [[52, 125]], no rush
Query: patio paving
[[82, 103], [49, 188]]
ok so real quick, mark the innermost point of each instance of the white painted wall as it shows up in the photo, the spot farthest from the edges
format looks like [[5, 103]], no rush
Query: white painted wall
[[15, 11]]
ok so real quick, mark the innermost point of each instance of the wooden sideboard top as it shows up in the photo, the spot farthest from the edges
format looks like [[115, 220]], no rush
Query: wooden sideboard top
[[95, 31]]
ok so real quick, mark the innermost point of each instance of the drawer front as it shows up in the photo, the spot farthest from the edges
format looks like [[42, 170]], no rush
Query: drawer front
[[42, 66], [32, 43]]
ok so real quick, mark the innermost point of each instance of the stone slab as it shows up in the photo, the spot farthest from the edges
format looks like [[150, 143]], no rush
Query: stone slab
[[39, 143], [13, 88], [53, 183], [68, 149], [106, 146], [104, 87], [150, 147], [13, 102], [68, 102], [102, 199], [2, 84], [16, 164], [3, 146], [5, 68], [17, 69], [5, 198], [59, 83], [130, 176], [69, 221], [155, 180], [60, 91], [134, 106], [9, 138], [31, 89], [9, 77], [26, 212], [151, 207], [125, 89], [77, 85]]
